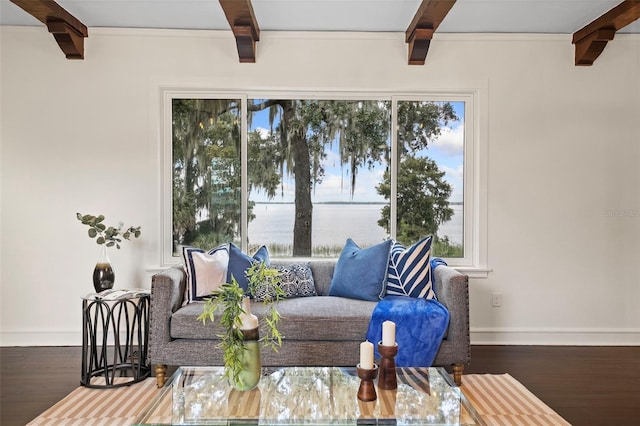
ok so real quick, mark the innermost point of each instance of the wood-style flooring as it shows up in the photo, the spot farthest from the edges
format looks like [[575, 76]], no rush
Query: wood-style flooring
[[588, 386]]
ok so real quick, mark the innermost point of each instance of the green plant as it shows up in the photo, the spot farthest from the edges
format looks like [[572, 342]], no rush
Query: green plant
[[261, 275], [107, 235], [228, 299]]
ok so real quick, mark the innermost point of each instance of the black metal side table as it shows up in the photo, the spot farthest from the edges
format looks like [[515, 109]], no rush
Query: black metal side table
[[115, 333]]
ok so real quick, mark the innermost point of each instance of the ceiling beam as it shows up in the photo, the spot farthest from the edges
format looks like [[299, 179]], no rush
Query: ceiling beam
[[68, 31], [420, 32], [244, 25], [591, 40]]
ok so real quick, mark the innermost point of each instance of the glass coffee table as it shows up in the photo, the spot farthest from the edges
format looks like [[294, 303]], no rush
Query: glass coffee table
[[310, 396]]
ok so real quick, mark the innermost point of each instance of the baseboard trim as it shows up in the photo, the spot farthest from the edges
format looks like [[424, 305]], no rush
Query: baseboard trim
[[556, 336], [49, 338], [41, 338]]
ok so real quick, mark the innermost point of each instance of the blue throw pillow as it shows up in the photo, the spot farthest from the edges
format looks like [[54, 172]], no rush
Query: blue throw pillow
[[239, 262], [410, 270], [361, 273]]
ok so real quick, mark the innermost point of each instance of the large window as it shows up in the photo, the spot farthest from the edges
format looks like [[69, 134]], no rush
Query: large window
[[302, 174]]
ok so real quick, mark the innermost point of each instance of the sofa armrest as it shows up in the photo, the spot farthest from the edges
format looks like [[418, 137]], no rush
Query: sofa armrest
[[167, 292], [452, 290]]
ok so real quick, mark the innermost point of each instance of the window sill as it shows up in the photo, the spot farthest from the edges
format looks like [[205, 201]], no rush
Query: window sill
[[473, 271]]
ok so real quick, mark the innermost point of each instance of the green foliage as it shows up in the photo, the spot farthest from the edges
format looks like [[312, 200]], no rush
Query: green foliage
[[206, 169], [421, 122], [422, 199], [360, 128], [261, 275], [442, 247], [110, 236], [228, 299]]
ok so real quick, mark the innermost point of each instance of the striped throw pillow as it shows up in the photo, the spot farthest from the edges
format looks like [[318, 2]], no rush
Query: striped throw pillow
[[409, 270]]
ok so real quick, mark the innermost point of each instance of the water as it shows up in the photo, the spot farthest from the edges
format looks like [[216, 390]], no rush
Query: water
[[333, 224]]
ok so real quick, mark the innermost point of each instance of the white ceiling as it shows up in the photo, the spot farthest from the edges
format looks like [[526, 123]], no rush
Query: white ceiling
[[466, 16]]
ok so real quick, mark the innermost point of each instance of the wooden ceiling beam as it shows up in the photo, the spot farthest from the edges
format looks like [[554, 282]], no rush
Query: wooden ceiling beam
[[591, 40], [425, 22], [68, 31], [244, 25]]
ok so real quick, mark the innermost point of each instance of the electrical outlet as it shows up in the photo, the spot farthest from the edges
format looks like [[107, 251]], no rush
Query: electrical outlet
[[496, 300]]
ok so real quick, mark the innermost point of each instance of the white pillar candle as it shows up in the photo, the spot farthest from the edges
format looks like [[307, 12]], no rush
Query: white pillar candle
[[366, 355], [388, 333]]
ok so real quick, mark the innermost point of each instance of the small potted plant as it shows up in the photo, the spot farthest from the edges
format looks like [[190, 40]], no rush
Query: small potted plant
[[241, 342], [106, 236]]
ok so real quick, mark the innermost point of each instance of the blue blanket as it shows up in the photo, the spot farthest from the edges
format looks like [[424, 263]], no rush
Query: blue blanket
[[420, 326]]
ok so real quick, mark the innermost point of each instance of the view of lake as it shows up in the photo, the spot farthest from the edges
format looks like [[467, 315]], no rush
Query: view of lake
[[333, 224]]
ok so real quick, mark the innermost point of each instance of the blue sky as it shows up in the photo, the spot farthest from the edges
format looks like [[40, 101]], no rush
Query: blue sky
[[447, 151]]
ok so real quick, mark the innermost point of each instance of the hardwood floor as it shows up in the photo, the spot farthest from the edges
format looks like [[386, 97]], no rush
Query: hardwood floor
[[586, 385]]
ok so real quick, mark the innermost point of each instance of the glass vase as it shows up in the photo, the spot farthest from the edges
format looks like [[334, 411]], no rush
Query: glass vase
[[103, 275]]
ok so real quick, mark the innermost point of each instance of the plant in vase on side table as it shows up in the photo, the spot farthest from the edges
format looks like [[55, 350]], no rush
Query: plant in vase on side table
[[106, 236]]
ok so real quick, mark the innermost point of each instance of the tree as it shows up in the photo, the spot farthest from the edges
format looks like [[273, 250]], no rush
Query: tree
[[422, 199], [305, 128]]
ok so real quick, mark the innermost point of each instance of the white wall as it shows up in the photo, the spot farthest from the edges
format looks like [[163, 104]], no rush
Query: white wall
[[563, 147]]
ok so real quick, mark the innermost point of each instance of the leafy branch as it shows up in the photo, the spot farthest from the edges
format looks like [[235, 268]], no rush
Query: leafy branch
[[110, 236], [228, 299], [261, 275]]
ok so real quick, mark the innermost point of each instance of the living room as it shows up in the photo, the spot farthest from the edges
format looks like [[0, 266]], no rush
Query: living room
[[557, 219]]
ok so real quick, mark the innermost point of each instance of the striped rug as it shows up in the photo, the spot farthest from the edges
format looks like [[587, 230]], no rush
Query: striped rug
[[499, 399], [502, 400]]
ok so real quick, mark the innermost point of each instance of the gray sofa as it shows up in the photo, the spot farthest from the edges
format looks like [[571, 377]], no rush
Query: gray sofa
[[318, 330]]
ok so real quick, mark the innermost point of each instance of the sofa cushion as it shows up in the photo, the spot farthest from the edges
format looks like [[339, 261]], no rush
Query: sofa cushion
[[317, 318], [239, 262], [296, 281], [361, 273], [206, 271], [409, 272]]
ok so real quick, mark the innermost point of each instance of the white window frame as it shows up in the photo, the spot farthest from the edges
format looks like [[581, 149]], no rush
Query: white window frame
[[474, 262]]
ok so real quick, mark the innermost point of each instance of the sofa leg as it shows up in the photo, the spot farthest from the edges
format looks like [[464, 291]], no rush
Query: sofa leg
[[457, 373], [161, 371]]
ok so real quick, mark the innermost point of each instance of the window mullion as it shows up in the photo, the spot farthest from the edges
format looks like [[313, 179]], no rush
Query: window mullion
[[244, 184], [393, 171]]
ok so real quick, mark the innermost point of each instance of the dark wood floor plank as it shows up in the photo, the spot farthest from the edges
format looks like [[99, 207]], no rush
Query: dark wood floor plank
[[587, 386]]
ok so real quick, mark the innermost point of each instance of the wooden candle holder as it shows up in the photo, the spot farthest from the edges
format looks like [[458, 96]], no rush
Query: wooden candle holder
[[387, 379], [367, 390]]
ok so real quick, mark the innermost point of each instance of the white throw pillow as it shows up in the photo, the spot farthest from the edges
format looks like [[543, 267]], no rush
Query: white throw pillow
[[206, 271]]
